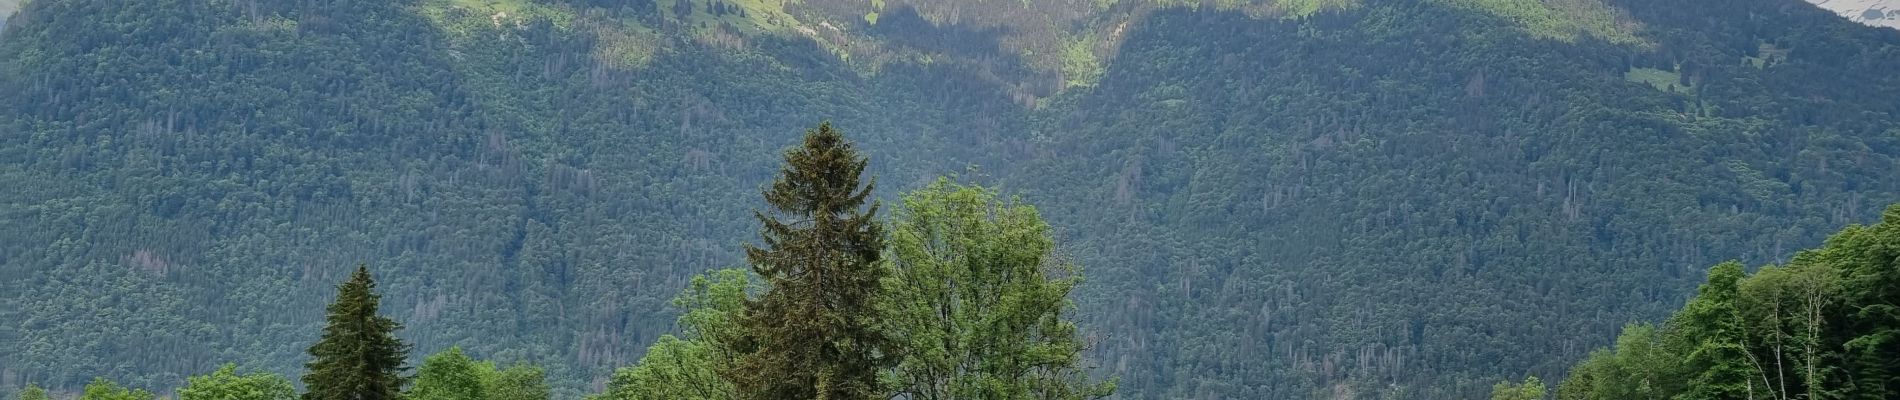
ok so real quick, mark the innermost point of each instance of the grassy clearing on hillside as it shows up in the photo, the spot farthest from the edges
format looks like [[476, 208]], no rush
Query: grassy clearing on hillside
[[1080, 66], [1565, 20], [495, 12], [1255, 8], [759, 15], [1668, 81], [622, 43], [507, 6], [1302, 8]]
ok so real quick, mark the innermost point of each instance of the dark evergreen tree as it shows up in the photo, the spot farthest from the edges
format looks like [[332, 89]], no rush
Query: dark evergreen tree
[[359, 356], [812, 331]]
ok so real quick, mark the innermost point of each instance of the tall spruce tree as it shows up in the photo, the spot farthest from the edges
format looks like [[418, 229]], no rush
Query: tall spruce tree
[[813, 334], [359, 356]]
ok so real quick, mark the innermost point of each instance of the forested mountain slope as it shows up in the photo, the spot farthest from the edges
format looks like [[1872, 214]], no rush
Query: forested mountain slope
[[1271, 200], [1350, 200], [187, 174]]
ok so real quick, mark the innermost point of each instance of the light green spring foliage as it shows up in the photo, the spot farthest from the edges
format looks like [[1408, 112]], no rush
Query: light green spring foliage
[[713, 304], [1867, 261], [519, 382], [672, 367], [34, 392], [1712, 325], [1791, 304], [977, 296], [1080, 66], [449, 375], [1704, 352], [453, 375], [1637, 368], [1531, 389], [1821, 327], [687, 366], [102, 389], [227, 384]]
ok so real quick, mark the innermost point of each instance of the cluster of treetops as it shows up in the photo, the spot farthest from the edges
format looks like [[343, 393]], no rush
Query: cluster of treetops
[[1823, 326], [961, 295]]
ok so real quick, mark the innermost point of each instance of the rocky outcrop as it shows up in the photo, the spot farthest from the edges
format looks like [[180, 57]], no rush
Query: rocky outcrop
[[1872, 12]]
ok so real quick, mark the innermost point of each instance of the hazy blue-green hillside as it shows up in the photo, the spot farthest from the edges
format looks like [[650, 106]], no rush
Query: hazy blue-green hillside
[[1343, 199]]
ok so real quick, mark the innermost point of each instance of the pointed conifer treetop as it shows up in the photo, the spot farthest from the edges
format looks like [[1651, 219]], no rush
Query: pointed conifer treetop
[[813, 333], [819, 189], [359, 356]]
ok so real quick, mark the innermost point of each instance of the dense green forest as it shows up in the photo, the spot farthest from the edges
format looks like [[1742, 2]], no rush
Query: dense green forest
[[1271, 199], [970, 303]]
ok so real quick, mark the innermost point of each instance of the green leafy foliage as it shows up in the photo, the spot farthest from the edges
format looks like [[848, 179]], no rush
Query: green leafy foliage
[[1531, 389], [1635, 369], [980, 300], [973, 300], [102, 389], [1868, 318], [1782, 332], [519, 382], [1790, 306], [689, 365], [227, 384], [452, 375], [1717, 344], [33, 392]]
